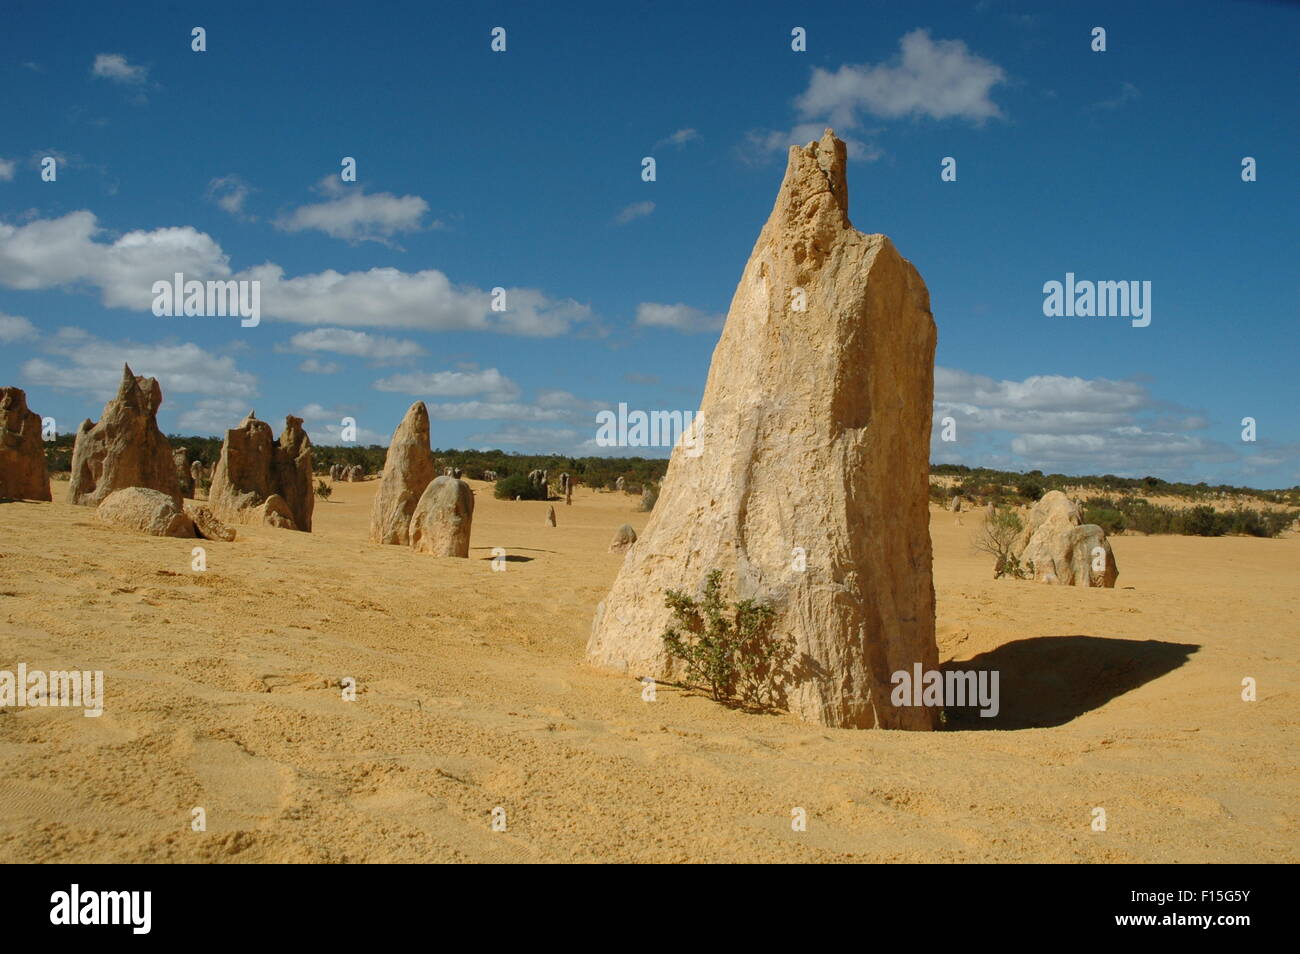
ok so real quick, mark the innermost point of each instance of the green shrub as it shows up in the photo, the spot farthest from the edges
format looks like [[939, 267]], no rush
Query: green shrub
[[737, 658], [1105, 513], [323, 490], [517, 485], [1031, 489], [995, 536], [1202, 521]]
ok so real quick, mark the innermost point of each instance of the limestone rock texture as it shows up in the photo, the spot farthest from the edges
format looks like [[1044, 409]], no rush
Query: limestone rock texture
[[125, 449], [207, 525], [443, 517], [259, 479], [23, 474], [145, 511], [624, 537], [408, 470], [1061, 546], [815, 434], [184, 474]]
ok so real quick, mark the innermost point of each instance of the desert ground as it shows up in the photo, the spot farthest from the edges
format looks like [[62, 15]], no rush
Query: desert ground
[[222, 692]]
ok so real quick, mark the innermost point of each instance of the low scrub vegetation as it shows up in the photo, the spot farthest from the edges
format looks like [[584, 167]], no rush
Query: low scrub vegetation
[[736, 658]]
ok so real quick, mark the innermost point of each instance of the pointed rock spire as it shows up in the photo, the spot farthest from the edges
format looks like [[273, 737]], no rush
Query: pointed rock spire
[[806, 481]]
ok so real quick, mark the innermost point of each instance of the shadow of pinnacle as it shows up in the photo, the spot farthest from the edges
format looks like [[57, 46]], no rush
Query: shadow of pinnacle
[[1051, 680]]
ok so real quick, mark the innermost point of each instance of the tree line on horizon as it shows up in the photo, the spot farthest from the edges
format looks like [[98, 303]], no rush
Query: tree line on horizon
[[973, 482]]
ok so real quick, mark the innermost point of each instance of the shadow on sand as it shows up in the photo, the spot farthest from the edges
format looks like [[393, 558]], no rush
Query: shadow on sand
[[1050, 680]]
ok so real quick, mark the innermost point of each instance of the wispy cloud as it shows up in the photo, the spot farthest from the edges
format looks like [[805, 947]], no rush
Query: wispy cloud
[[634, 211], [115, 67], [679, 139], [678, 317], [354, 215], [928, 78], [230, 192]]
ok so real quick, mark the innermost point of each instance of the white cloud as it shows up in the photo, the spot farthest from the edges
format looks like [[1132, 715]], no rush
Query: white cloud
[[325, 426], [1121, 451], [634, 211], [16, 328], [679, 138], [679, 316], [493, 411], [7, 167], [357, 344], [1127, 94], [114, 66], [210, 416], [1068, 424], [230, 193], [940, 79], [93, 365], [540, 437], [489, 382], [356, 216], [312, 366], [1041, 403], [48, 253]]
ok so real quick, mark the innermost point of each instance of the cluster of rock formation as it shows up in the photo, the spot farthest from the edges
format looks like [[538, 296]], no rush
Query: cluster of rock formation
[[23, 473], [261, 479], [125, 448], [413, 507], [342, 473], [541, 480], [819, 407], [1062, 548]]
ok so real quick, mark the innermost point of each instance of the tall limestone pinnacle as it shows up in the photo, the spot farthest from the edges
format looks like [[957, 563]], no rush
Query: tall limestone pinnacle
[[808, 487], [408, 470]]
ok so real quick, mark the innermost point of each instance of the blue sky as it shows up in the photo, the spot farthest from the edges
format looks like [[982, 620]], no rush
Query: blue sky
[[522, 170]]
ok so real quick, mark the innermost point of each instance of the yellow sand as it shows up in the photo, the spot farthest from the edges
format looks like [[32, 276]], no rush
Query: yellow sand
[[222, 693]]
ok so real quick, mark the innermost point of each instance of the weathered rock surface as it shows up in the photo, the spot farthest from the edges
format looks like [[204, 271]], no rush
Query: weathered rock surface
[[1062, 547], [816, 434], [23, 473], [408, 470], [125, 449], [145, 511], [550, 516], [624, 537], [259, 479], [443, 517], [184, 478], [207, 525]]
